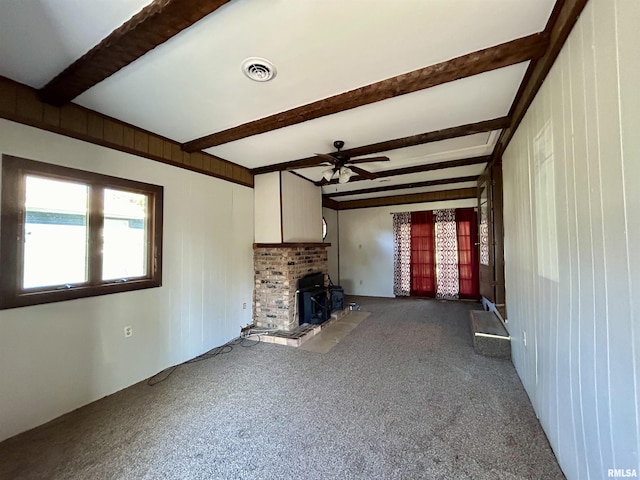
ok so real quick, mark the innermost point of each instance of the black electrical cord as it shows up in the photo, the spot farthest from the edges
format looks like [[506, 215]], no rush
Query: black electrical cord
[[253, 343], [214, 352], [159, 377]]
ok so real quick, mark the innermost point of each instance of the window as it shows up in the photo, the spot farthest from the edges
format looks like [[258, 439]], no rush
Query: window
[[67, 233]]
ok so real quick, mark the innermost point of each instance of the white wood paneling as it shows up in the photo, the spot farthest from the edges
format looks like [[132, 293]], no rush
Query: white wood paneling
[[57, 357], [301, 209], [575, 337], [628, 13], [366, 246], [333, 252], [267, 219], [287, 209]]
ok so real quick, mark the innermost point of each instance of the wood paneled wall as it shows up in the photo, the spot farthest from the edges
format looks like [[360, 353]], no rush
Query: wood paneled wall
[[572, 237], [58, 357], [20, 103], [301, 204]]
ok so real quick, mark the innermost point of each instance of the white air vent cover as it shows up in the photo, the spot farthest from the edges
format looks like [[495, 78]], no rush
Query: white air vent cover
[[259, 69]]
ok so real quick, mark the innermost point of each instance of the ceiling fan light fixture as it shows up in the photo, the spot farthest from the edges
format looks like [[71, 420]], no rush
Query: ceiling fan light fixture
[[345, 175], [328, 174], [341, 162]]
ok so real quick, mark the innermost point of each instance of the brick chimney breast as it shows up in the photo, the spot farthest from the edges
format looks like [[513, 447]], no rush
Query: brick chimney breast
[[278, 267]]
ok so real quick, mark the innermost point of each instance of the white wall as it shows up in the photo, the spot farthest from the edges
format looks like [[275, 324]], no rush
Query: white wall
[[57, 357], [301, 209], [331, 217], [267, 218], [366, 246], [282, 198], [572, 231]]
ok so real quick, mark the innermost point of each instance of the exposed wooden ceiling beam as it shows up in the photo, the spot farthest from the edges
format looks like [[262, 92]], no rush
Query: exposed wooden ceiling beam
[[564, 16], [428, 183], [404, 142], [19, 103], [429, 137], [302, 176], [464, 162], [328, 203], [152, 26], [503, 55], [441, 195]]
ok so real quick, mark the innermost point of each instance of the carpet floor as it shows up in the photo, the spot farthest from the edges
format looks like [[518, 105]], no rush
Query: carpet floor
[[333, 334], [402, 396]]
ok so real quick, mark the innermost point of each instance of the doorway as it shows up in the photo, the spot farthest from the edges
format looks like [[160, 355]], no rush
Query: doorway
[[436, 254]]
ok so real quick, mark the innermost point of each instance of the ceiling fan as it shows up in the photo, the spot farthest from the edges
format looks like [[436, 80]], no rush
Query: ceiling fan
[[342, 167]]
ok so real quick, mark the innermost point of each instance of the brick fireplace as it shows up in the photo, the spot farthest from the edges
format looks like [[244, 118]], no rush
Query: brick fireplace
[[278, 267]]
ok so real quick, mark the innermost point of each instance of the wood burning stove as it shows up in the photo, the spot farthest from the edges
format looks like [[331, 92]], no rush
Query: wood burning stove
[[336, 295], [313, 302]]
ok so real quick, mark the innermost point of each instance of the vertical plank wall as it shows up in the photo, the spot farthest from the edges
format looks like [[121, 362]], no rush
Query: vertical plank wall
[[267, 218], [301, 209], [572, 234], [57, 357], [331, 217]]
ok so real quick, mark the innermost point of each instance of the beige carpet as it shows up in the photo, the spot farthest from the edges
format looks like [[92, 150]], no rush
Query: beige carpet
[[404, 396], [330, 336]]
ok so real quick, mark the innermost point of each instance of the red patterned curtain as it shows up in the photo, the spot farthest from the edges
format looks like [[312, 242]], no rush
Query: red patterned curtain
[[401, 254], [422, 255], [466, 221]]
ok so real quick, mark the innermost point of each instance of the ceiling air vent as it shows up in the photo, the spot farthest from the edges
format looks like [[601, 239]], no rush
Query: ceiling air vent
[[259, 69]]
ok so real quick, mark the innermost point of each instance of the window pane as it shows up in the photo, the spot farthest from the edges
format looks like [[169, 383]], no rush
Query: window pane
[[125, 235], [55, 233]]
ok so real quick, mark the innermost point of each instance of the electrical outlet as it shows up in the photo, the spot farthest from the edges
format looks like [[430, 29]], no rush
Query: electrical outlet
[[128, 331], [244, 305]]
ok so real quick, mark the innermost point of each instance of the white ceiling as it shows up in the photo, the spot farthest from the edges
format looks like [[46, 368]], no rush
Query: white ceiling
[[481, 97], [192, 85], [40, 38]]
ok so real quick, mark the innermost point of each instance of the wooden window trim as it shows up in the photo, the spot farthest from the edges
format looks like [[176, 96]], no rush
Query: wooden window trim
[[12, 294]]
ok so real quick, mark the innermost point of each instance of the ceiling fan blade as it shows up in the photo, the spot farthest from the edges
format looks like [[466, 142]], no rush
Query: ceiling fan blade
[[369, 159], [321, 163], [327, 158], [363, 173]]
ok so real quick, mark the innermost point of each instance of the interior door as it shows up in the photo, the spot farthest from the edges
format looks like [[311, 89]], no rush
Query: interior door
[[491, 237], [485, 240]]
